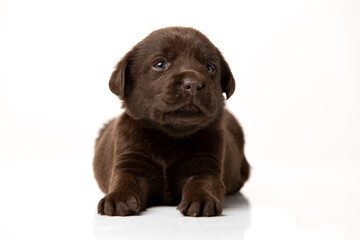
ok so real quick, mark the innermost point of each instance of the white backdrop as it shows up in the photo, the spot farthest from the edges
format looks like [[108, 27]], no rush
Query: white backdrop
[[296, 64], [297, 71]]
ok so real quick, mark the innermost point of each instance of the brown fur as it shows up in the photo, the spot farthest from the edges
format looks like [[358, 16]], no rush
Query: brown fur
[[175, 143]]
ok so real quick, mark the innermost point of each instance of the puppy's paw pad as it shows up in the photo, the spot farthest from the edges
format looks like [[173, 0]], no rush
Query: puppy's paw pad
[[119, 204]]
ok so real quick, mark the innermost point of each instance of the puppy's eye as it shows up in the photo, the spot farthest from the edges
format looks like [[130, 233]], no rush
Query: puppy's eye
[[210, 68], [160, 65]]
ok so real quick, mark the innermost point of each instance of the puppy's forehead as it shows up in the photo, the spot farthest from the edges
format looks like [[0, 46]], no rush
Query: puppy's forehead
[[176, 42]]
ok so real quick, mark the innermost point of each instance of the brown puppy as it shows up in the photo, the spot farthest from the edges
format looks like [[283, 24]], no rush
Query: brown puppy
[[175, 143]]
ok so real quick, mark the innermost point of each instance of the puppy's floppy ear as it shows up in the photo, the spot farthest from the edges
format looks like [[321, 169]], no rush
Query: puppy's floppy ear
[[227, 79], [120, 77]]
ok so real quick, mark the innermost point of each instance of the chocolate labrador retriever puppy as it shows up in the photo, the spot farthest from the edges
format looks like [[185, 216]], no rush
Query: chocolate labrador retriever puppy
[[175, 143]]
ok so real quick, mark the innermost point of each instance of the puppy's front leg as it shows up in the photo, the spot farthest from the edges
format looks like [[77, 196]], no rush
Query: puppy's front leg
[[202, 196], [128, 188], [204, 191]]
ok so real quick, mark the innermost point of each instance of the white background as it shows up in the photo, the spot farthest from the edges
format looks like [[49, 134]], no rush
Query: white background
[[297, 70]]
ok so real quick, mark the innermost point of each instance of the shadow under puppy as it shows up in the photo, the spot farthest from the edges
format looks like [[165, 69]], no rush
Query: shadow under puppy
[[175, 143]]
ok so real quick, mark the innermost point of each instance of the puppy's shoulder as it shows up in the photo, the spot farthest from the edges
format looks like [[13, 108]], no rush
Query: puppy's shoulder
[[106, 129], [228, 117], [232, 125]]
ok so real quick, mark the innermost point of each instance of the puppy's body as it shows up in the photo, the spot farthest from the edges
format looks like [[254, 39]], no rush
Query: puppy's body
[[175, 143]]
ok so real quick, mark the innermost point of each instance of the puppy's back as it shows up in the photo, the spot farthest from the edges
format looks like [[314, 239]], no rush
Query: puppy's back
[[236, 167]]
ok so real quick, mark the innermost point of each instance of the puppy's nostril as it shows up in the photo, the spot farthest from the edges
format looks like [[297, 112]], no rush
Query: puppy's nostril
[[187, 86]]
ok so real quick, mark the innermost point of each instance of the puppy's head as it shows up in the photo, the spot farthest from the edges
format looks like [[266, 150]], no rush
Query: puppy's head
[[173, 80]]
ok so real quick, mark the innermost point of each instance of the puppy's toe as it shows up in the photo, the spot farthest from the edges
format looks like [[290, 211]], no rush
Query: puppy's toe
[[209, 209]]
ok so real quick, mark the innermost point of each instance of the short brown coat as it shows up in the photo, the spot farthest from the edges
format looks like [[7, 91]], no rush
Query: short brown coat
[[175, 143]]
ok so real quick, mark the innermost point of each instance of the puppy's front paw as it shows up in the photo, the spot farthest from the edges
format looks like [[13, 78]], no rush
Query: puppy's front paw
[[119, 204], [200, 205]]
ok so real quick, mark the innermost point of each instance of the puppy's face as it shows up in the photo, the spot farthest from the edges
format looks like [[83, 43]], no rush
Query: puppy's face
[[173, 80]]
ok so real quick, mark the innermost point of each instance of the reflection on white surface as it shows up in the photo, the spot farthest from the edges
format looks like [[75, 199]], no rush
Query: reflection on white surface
[[43, 200], [163, 221]]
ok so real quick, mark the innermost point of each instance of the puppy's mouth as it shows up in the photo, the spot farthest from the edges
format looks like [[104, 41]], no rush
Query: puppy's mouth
[[184, 115], [183, 118], [189, 111], [183, 112]]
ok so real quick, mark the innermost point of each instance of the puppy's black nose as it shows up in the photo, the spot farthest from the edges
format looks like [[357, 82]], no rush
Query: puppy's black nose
[[192, 86]]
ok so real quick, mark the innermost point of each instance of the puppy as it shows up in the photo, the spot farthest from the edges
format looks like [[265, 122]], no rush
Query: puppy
[[175, 144]]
